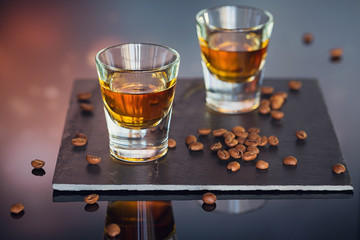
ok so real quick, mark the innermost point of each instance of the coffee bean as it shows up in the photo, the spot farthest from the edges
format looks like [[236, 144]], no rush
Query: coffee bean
[[294, 84], [16, 208], [241, 140], [264, 141], [171, 143], [233, 166], [241, 148], [204, 131], [86, 107], [81, 135], [265, 102], [253, 136], [276, 102], [91, 199], [93, 159], [253, 149], [308, 38], [231, 142], [229, 135], [290, 161], [264, 109], [190, 139], [235, 153], [273, 140], [300, 134], [338, 168], [238, 129], [218, 132], [277, 115], [242, 134], [250, 142], [196, 146], [284, 95], [216, 147], [85, 96], [79, 142], [267, 90], [262, 165], [113, 230], [209, 198], [249, 156], [336, 53], [253, 130], [223, 154], [37, 163]]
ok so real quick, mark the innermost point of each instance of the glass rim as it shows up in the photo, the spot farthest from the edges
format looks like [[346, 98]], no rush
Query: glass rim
[[256, 27], [177, 59]]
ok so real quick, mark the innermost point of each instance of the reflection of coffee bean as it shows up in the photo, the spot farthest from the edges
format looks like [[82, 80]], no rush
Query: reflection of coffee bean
[[37, 163], [38, 172], [208, 207], [91, 207], [91, 199], [209, 198], [338, 168]]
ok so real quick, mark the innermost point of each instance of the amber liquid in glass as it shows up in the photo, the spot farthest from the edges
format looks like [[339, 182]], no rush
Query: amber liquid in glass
[[232, 59], [135, 101]]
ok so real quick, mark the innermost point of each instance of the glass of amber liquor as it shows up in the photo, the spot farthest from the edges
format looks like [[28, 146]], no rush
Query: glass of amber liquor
[[137, 83], [233, 42]]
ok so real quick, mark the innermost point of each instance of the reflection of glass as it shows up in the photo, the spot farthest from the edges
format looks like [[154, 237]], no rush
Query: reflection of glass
[[142, 219], [238, 206]]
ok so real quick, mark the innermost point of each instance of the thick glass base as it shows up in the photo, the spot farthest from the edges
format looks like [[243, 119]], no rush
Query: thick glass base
[[138, 145], [232, 97]]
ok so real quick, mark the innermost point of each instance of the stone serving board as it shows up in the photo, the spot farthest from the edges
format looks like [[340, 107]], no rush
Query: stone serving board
[[182, 170]]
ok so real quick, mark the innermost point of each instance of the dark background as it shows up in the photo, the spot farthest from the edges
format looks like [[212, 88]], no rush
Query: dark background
[[45, 45]]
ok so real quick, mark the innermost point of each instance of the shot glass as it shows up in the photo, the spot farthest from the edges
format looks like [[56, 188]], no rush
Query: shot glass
[[137, 82], [233, 42]]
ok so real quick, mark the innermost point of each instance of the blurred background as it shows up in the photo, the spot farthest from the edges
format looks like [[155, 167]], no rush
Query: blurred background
[[45, 45]]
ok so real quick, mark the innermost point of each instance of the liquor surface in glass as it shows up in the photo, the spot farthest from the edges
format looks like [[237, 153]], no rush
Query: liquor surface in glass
[[137, 101]]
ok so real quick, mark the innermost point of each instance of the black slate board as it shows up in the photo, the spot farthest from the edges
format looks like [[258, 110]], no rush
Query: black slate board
[[183, 170]]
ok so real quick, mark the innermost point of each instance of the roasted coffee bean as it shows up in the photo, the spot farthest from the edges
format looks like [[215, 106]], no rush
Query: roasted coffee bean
[[85, 96], [284, 95], [308, 38], [241, 140], [262, 164], [233, 166], [79, 142], [253, 149], [231, 142], [276, 102], [277, 115], [229, 135], [235, 153], [242, 134], [264, 109], [209, 198], [204, 131], [16, 208], [301, 134], [223, 154], [190, 139], [91, 199], [294, 84], [93, 159], [216, 147], [273, 140], [196, 146], [265, 102], [249, 156], [251, 143], [218, 132], [238, 129], [264, 141], [253, 136], [267, 90], [241, 147], [86, 107], [253, 130], [37, 163], [113, 230], [336, 53], [171, 143], [338, 168], [290, 161]]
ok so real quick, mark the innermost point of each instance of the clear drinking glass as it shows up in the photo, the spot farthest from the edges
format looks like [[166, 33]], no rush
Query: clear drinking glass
[[137, 82], [233, 42]]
